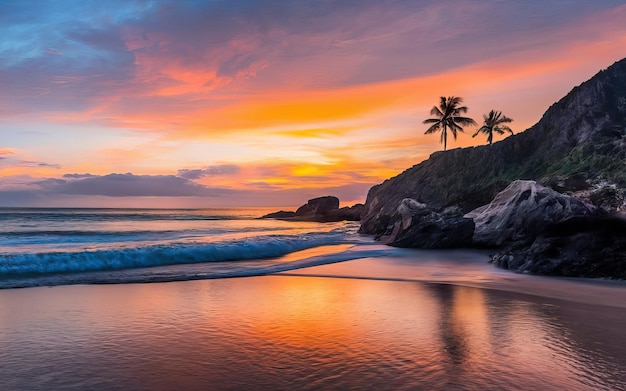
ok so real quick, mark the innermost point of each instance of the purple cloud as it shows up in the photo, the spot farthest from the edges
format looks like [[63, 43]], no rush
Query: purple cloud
[[9, 159], [78, 176], [224, 169], [57, 166], [130, 185]]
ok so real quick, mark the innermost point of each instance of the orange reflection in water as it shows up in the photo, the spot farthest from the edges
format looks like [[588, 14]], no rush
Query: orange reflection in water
[[282, 332]]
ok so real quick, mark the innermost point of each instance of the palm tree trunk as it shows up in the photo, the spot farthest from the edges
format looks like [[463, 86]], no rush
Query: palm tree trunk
[[445, 136]]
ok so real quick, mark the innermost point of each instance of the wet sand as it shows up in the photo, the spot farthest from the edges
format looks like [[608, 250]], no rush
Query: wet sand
[[414, 320], [470, 268]]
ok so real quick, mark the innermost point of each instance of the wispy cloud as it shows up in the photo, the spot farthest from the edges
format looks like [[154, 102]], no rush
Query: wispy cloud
[[53, 52], [14, 158], [225, 169], [78, 176]]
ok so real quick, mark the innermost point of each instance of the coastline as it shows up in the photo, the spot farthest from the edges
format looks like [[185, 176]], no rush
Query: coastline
[[365, 261]]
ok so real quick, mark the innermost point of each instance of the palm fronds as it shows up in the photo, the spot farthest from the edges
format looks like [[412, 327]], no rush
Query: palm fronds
[[448, 116]]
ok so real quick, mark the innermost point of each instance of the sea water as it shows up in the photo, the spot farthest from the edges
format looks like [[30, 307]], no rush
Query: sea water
[[72, 246], [304, 333], [392, 318]]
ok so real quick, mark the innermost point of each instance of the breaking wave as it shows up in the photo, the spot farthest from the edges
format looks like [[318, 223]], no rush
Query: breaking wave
[[28, 265]]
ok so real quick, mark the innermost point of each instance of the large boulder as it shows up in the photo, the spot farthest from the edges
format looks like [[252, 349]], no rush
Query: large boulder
[[582, 246], [521, 212], [318, 206], [415, 225]]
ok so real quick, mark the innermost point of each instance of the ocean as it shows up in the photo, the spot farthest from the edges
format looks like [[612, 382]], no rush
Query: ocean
[[143, 299], [75, 246]]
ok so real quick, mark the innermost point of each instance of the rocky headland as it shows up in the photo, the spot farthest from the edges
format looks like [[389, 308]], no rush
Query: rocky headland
[[550, 200]]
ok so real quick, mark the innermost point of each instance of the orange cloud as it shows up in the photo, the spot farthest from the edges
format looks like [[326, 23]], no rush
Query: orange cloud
[[7, 152], [298, 121]]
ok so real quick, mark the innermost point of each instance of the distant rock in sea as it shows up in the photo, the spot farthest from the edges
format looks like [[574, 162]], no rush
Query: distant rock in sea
[[281, 214], [321, 209], [318, 206]]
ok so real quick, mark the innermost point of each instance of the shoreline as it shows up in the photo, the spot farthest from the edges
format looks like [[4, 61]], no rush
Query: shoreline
[[481, 275], [468, 268]]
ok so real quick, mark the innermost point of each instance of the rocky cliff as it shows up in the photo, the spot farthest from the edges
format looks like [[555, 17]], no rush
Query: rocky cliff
[[579, 142]]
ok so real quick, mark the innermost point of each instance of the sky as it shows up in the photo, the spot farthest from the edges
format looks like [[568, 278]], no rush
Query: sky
[[223, 103]]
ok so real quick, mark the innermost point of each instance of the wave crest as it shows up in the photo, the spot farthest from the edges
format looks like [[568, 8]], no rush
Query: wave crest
[[30, 265]]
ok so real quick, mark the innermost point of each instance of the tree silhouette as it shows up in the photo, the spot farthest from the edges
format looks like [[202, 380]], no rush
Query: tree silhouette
[[448, 117], [494, 123]]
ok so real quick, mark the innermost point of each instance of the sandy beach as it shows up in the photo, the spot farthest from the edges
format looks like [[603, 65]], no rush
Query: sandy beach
[[427, 320], [470, 268]]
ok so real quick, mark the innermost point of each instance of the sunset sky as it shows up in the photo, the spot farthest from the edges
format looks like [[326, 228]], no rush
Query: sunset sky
[[124, 103]]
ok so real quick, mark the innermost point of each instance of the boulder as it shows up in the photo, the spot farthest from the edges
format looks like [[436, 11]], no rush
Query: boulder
[[415, 225], [581, 246], [521, 212], [609, 198], [318, 206]]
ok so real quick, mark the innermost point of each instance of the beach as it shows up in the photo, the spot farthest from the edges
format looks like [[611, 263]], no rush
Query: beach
[[470, 268], [406, 321]]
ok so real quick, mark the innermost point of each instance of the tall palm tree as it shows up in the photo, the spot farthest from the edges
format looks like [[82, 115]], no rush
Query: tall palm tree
[[449, 117], [493, 123]]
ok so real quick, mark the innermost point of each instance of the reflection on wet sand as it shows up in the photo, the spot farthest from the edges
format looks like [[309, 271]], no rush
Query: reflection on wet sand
[[282, 332]]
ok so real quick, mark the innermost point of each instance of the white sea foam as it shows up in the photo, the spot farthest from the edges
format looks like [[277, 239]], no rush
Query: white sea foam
[[56, 246], [65, 262]]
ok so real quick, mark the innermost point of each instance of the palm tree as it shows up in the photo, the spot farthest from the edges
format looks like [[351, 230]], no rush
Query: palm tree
[[493, 123], [449, 117]]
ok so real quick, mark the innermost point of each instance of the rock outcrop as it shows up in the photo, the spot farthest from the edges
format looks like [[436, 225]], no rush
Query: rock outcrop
[[521, 212], [321, 209], [609, 198], [582, 246], [318, 206], [417, 226], [585, 132]]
